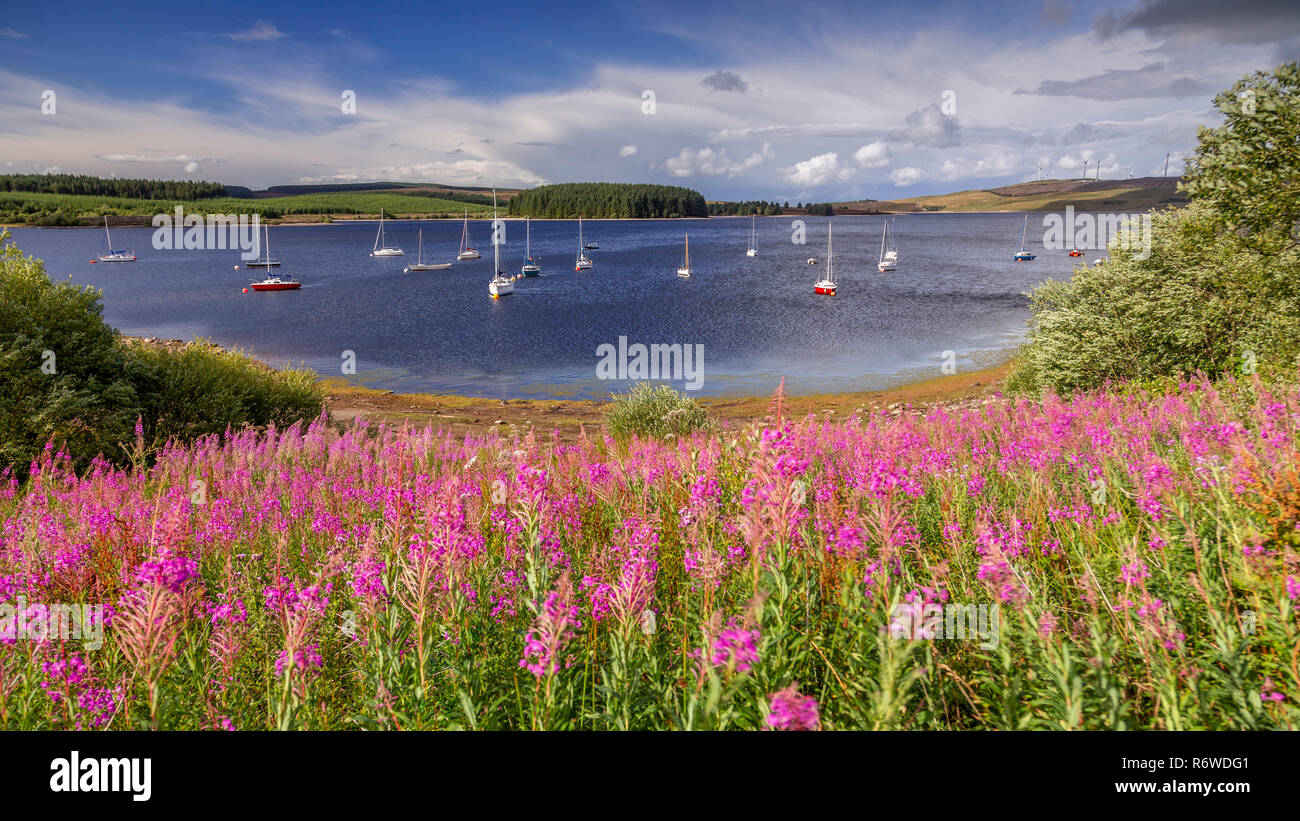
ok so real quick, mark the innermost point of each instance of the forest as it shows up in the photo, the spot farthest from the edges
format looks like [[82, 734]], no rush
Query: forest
[[608, 200]]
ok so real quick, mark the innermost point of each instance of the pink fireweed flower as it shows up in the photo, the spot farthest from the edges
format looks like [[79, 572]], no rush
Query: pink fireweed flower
[[555, 626], [1134, 573], [736, 648], [1269, 693], [168, 570], [307, 662], [790, 710], [1292, 588], [1046, 624]]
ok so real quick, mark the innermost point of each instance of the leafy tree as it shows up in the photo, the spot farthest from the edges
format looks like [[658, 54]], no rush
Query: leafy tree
[[1249, 168]]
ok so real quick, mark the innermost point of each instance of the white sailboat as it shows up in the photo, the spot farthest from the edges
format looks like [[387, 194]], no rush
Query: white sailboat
[[584, 262], [888, 258], [1024, 254], [685, 270], [382, 248], [421, 265], [531, 267], [753, 229], [114, 256], [268, 262], [501, 285], [466, 252], [826, 285]]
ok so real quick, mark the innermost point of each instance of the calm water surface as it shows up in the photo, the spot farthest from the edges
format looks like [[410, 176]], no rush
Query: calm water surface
[[439, 331]]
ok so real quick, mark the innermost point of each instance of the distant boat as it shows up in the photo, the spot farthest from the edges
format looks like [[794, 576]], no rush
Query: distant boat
[[1023, 255], [268, 262], [114, 256], [531, 268], [584, 262], [466, 252], [421, 265], [382, 248], [812, 260], [1075, 252], [276, 283], [685, 270], [887, 262], [501, 285], [753, 228], [826, 285]]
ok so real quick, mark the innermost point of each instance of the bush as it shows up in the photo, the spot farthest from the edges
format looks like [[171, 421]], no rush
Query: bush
[[67, 378], [201, 389], [1203, 301], [62, 370], [655, 411]]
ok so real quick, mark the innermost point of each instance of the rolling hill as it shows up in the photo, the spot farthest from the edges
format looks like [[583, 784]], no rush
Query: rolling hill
[[1137, 194]]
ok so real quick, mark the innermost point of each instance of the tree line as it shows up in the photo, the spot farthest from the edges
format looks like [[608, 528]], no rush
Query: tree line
[[608, 200], [743, 209], [183, 190]]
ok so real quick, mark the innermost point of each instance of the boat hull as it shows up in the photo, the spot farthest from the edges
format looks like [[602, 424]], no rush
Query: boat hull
[[442, 266], [828, 290], [885, 266], [751, 253], [530, 270], [469, 255], [684, 273], [115, 258], [387, 252], [276, 286], [1024, 257], [271, 264]]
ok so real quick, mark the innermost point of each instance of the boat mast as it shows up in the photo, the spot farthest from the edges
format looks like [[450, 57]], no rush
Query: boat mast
[[496, 246], [829, 257]]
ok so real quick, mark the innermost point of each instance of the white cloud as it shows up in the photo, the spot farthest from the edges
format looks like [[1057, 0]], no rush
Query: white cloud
[[873, 155], [709, 163], [11, 34], [906, 175], [817, 170], [627, 151], [260, 32]]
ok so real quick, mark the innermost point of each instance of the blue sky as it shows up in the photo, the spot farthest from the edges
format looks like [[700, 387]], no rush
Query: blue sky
[[773, 100]]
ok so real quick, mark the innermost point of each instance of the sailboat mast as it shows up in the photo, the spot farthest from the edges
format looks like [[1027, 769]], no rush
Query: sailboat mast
[[830, 257], [496, 245]]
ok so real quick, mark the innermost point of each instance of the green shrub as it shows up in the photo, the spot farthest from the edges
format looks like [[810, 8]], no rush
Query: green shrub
[[66, 377], [1202, 301], [62, 370], [655, 411], [200, 389]]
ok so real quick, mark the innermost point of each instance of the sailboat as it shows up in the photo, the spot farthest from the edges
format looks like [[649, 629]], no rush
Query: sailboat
[[466, 252], [1023, 255], [685, 270], [276, 282], [421, 265], [501, 285], [381, 248], [826, 285], [114, 256], [753, 229], [888, 258], [531, 268], [892, 251], [584, 262], [268, 262]]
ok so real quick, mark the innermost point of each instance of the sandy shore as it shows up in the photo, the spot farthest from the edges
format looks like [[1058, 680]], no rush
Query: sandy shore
[[461, 415]]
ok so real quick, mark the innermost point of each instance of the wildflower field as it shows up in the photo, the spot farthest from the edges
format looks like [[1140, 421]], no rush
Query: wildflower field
[[1140, 548]]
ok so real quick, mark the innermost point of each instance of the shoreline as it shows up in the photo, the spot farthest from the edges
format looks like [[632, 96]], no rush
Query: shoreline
[[346, 401]]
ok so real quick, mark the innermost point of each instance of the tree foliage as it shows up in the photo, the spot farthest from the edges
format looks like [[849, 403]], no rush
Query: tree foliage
[[1249, 168], [100, 186], [608, 200]]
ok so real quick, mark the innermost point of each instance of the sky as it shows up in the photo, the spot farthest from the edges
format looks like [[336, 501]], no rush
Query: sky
[[829, 101]]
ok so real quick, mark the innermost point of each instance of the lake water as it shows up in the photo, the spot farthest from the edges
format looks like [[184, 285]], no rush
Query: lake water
[[758, 319]]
